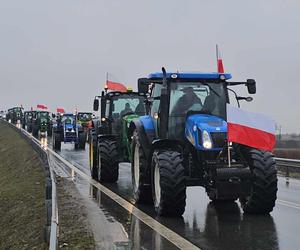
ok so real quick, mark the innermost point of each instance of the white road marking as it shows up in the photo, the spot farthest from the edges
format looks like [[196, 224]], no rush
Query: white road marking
[[288, 204]]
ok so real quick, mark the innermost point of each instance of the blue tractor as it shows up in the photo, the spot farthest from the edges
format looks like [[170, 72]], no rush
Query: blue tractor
[[183, 142], [68, 130]]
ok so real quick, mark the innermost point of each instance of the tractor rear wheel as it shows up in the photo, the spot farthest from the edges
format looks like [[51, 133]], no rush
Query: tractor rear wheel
[[141, 186], [108, 158], [57, 141], [93, 157], [168, 183], [264, 182], [82, 140]]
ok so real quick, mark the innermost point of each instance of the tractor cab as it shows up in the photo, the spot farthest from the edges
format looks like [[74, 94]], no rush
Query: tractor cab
[[118, 106], [109, 139]]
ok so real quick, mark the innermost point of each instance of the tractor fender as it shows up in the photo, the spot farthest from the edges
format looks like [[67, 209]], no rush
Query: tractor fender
[[144, 137], [175, 145]]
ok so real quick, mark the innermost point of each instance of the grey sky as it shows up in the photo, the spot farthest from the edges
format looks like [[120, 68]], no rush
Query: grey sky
[[57, 52]]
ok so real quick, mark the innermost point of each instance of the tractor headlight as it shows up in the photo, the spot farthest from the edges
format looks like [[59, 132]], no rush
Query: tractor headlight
[[206, 140]]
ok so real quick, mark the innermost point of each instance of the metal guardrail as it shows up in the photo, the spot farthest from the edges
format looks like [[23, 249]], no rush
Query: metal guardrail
[[284, 162], [288, 164]]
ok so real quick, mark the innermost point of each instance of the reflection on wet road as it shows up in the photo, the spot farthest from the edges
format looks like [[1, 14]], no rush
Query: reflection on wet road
[[205, 224]]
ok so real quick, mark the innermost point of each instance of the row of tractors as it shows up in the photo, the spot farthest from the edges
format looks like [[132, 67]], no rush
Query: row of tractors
[[173, 131], [66, 127]]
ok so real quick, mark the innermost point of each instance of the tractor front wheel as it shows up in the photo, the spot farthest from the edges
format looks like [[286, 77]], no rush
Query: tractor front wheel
[[108, 159], [264, 182], [82, 140], [168, 183]]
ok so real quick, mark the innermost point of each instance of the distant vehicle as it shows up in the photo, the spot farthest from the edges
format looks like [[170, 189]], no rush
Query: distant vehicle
[[15, 115], [27, 120], [68, 130], [2, 114], [84, 118], [41, 123]]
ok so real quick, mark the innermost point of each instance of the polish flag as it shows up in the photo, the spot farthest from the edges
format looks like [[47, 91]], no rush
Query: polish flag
[[251, 129], [115, 86], [60, 110], [41, 106], [219, 61]]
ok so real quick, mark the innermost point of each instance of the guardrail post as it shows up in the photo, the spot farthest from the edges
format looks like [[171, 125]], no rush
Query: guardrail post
[[287, 175]]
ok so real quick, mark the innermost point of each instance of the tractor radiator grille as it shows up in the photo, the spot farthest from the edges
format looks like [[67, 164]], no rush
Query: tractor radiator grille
[[219, 139]]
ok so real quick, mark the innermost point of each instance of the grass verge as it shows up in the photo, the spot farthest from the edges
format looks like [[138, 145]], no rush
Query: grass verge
[[22, 193]]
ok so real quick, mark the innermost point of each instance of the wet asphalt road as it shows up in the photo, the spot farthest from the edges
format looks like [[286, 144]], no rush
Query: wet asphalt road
[[206, 225]]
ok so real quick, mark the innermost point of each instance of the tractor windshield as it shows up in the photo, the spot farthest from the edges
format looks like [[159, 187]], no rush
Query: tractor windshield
[[44, 115], [126, 104], [17, 109], [119, 106], [201, 97], [68, 119]]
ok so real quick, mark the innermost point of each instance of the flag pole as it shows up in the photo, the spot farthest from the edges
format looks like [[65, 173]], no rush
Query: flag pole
[[106, 84]]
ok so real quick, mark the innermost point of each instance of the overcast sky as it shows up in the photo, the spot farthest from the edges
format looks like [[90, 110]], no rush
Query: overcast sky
[[57, 52]]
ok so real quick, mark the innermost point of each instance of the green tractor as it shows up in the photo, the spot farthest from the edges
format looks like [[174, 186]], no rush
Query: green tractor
[[41, 123], [108, 142], [183, 142], [15, 115]]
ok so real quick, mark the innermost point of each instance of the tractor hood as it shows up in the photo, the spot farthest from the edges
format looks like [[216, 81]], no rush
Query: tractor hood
[[214, 127]]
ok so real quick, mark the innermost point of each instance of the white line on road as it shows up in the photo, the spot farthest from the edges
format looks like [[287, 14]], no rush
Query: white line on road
[[288, 204]]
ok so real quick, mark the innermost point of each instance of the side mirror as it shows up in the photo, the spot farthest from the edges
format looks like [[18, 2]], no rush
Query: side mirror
[[96, 105], [143, 85], [251, 86]]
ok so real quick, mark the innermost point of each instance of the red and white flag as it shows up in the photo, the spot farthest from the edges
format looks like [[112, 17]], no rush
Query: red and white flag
[[116, 86], [251, 129], [60, 110], [41, 106], [219, 61]]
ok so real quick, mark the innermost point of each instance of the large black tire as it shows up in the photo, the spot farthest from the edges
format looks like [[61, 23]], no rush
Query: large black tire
[[141, 179], [93, 157], [108, 158], [264, 182], [57, 141], [82, 140], [168, 183]]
